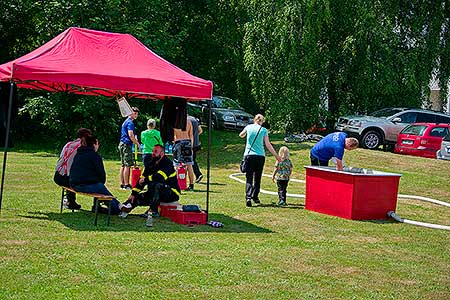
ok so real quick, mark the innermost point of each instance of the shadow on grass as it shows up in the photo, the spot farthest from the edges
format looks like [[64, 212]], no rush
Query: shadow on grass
[[380, 222], [83, 220], [288, 206]]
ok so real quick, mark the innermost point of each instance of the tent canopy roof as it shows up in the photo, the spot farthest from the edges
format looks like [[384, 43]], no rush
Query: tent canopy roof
[[90, 62]]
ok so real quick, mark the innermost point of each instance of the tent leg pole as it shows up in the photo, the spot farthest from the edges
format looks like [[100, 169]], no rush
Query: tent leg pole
[[5, 151], [208, 160]]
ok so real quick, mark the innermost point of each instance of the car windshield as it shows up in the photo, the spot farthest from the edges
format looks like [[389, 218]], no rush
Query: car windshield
[[414, 129], [385, 112], [222, 102]]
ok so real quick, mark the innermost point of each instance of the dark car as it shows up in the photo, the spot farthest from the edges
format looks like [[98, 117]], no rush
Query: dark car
[[226, 113]]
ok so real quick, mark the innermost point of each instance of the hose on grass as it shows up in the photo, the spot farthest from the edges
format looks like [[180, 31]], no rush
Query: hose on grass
[[390, 214]]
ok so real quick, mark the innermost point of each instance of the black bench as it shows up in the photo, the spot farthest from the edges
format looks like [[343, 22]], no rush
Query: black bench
[[97, 199]]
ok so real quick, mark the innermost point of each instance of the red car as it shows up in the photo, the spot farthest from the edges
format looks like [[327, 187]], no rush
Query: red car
[[421, 139]]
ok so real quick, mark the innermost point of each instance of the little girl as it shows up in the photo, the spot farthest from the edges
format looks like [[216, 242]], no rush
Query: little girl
[[282, 173]]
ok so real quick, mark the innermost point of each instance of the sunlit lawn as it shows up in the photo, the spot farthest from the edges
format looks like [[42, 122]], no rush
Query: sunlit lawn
[[262, 252]]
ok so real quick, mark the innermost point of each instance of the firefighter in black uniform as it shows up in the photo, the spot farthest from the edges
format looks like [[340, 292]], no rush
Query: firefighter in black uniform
[[160, 178]]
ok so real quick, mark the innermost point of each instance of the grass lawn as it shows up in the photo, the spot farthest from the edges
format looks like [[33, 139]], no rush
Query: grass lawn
[[262, 252]]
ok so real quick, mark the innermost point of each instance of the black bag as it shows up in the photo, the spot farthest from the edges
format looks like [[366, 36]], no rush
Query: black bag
[[191, 208], [244, 163]]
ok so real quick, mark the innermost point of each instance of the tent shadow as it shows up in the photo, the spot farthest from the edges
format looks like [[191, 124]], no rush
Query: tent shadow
[[83, 220]]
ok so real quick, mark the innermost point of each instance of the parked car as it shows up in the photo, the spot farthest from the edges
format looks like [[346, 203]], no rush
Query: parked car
[[421, 139], [383, 126], [226, 113], [444, 151]]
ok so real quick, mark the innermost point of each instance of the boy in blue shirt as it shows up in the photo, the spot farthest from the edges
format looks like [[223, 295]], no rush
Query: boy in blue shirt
[[330, 146]]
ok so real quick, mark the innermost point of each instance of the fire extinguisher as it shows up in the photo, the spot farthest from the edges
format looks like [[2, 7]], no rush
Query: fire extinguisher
[[136, 171], [181, 176]]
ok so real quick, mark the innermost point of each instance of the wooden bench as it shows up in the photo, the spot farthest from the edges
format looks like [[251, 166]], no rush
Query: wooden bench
[[97, 199]]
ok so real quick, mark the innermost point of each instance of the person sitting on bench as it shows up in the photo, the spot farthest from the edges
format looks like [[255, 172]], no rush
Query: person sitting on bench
[[160, 178], [64, 164], [88, 174]]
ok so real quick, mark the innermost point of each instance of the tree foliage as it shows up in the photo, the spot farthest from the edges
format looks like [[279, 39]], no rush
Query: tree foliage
[[295, 60]]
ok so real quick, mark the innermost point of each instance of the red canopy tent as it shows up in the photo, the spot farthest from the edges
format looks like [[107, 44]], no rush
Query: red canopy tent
[[90, 62]]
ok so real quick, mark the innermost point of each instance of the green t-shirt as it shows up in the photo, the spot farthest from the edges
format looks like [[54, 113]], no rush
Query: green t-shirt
[[150, 138]]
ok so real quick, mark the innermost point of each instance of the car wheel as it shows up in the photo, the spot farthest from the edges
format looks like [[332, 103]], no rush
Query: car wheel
[[371, 140]]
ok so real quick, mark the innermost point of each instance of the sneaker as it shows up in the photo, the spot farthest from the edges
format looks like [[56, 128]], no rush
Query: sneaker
[[73, 205], [128, 187], [123, 214], [190, 187], [256, 200], [199, 178], [149, 222], [249, 203], [65, 203], [281, 203], [155, 214], [122, 187], [125, 207]]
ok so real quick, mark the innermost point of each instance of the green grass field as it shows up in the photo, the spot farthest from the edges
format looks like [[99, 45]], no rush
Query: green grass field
[[262, 252]]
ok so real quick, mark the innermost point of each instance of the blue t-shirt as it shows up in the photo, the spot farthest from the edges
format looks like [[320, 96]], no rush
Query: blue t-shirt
[[330, 146], [258, 145], [127, 125]]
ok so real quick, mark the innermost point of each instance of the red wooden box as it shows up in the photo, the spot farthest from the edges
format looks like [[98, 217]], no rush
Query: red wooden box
[[356, 196], [191, 218]]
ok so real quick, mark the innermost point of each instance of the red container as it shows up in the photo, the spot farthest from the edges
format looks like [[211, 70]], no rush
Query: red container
[[355, 196], [190, 218], [166, 210], [135, 175], [181, 176]]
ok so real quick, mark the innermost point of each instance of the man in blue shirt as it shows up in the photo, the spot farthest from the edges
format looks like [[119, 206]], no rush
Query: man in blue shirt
[[127, 139], [330, 146]]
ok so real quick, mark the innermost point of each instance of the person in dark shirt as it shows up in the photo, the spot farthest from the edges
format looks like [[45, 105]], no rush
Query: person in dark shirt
[[160, 178], [87, 173]]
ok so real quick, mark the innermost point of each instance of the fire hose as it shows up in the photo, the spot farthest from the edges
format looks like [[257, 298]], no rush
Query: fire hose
[[390, 214]]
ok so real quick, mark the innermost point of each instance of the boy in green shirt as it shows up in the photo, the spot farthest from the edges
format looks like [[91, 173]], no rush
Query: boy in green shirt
[[150, 138]]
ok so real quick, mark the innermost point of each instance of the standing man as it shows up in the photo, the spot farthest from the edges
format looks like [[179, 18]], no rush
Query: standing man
[[182, 150], [330, 146], [196, 146], [127, 139]]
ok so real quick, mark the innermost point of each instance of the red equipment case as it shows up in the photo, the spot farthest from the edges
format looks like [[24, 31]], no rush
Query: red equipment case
[[190, 218], [351, 195]]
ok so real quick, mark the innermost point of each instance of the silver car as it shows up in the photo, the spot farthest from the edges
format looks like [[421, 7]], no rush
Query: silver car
[[444, 152], [383, 126]]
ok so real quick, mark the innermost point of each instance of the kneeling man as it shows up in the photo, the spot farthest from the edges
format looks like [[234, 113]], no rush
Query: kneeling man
[[160, 178]]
